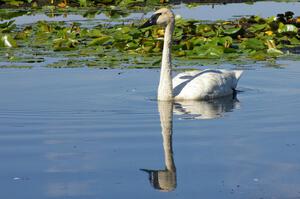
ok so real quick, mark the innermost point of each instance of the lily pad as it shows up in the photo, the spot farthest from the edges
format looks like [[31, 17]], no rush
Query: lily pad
[[101, 41], [232, 31], [253, 44], [62, 44], [287, 28], [7, 27], [257, 28], [16, 66], [274, 52]]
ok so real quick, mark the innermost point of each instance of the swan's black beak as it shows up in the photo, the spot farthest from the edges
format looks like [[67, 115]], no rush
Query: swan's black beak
[[151, 21]]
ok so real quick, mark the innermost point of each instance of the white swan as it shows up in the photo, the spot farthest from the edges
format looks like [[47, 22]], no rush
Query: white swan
[[195, 85]]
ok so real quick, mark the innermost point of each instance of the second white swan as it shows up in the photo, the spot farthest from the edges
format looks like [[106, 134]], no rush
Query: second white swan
[[194, 85]]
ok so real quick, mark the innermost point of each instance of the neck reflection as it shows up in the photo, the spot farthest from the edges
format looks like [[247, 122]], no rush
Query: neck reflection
[[165, 180]]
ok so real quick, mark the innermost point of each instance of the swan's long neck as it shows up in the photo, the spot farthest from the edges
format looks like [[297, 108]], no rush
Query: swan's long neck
[[165, 88]]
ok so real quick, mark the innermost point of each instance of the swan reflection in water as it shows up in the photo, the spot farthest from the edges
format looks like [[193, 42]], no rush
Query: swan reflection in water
[[210, 109], [165, 179]]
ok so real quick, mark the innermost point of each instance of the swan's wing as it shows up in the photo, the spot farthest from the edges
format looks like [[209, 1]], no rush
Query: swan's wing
[[208, 84], [183, 77]]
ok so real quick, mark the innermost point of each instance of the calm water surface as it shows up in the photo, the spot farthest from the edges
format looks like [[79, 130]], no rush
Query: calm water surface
[[87, 133]]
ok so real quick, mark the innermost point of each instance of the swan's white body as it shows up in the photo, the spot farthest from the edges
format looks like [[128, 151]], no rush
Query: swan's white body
[[194, 85], [204, 85]]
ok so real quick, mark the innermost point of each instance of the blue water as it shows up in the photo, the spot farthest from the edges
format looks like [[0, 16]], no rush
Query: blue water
[[86, 133]]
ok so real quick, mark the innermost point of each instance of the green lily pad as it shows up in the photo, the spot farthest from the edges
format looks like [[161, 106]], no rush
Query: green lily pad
[[66, 64], [253, 44], [7, 14], [223, 41], [232, 31], [44, 26], [101, 41], [7, 26], [294, 41], [274, 52], [198, 41], [131, 45], [205, 30], [208, 52], [287, 28], [186, 45], [257, 27], [16, 66], [119, 36], [258, 55], [62, 44], [93, 33]]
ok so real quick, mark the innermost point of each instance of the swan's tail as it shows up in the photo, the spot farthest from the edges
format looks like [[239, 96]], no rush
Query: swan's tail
[[238, 74]]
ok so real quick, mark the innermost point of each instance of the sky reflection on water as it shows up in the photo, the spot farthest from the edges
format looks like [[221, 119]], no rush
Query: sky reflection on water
[[86, 133]]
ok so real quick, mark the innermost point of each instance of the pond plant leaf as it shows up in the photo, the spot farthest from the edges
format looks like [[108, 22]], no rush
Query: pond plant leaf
[[253, 44], [274, 52], [257, 28], [93, 33], [82, 3], [101, 41], [232, 31], [62, 44], [16, 66], [8, 26], [70, 63], [287, 28], [7, 14]]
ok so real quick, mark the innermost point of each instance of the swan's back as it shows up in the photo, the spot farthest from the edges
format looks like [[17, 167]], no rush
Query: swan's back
[[203, 85], [184, 76]]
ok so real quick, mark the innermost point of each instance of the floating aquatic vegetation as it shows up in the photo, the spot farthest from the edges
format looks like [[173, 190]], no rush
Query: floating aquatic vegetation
[[7, 14], [69, 63], [7, 27], [109, 45], [16, 66]]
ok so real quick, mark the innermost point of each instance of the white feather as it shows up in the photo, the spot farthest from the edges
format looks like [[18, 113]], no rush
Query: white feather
[[204, 85], [6, 42]]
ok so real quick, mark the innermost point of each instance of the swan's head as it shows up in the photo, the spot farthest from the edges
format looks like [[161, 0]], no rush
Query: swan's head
[[162, 17]]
